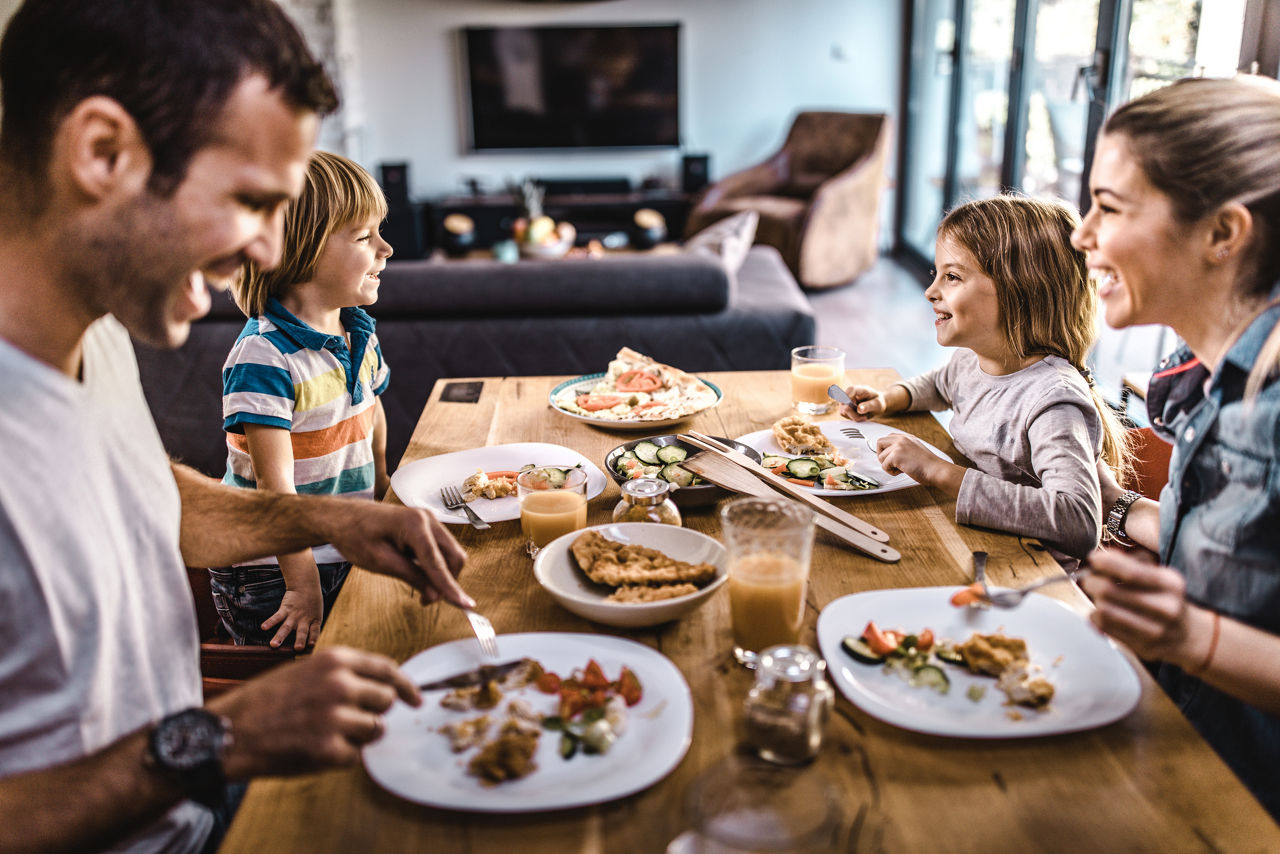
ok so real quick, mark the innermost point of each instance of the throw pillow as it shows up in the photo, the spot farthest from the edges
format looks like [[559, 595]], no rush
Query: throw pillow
[[729, 239]]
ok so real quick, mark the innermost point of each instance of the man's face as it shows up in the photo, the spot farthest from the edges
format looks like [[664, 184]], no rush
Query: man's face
[[147, 259]]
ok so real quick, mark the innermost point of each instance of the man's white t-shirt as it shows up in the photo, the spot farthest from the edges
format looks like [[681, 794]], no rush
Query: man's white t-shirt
[[97, 627]]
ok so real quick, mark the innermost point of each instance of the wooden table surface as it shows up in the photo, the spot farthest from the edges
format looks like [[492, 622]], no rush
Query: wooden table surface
[[1145, 783]]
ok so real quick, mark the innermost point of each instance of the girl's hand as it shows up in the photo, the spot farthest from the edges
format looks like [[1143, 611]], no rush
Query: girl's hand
[[867, 403], [1145, 607], [901, 453], [300, 613]]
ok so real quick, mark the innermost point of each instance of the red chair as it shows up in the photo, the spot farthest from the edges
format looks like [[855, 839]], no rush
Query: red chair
[[223, 664], [1150, 462]]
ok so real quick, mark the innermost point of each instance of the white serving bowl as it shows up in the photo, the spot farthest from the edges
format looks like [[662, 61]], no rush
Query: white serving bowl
[[558, 573]]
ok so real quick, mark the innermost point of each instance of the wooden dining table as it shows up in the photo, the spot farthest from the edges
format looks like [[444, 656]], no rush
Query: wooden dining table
[[1147, 782]]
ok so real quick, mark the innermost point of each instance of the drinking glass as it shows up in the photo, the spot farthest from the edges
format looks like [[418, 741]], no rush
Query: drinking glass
[[812, 370], [550, 506], [768, 543], [741, 806]]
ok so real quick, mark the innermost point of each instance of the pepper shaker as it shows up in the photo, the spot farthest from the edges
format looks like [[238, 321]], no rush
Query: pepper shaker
[[646, 499], [788, 706]]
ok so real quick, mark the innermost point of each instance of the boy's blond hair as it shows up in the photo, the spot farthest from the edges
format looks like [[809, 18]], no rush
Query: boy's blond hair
[[336, 193], [1047, 305]]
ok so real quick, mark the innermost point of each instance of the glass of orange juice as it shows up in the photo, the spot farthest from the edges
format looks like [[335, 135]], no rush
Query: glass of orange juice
[[813, 369], [553, 502], [768, 541]]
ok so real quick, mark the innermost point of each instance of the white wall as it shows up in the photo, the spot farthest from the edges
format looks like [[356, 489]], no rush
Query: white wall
[[746, 67]]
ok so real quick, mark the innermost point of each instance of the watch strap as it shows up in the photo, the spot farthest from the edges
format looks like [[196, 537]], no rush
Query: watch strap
[[1119, 514], [200, 775]]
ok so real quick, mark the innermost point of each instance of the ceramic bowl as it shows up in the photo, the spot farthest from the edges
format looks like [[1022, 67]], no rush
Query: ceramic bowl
[[558, 573], [546, 251], [703, 494]]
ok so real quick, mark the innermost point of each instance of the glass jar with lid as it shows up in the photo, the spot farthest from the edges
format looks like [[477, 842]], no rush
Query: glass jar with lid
[[788, 707], [646, 499]]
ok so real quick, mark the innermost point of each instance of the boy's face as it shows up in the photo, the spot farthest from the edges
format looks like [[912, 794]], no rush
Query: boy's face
[[147, 259], [347, 271]]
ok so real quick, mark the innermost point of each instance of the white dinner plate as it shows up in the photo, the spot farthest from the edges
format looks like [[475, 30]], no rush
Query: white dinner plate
[[587, 382], [1094, 684], [418, 483], [413, 759], [860, 453]]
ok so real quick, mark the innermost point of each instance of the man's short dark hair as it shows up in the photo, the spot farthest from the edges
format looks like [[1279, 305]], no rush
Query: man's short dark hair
[[171, 63]]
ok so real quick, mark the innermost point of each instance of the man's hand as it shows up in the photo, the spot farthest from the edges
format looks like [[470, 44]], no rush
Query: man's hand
[[403, 542], [301, 611], [311, 714]]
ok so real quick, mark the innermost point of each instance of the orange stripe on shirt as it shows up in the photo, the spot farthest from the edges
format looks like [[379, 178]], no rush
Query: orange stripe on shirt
[[318, 443]]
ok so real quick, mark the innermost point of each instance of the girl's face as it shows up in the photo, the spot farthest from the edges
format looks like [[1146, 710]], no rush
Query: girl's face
[[347, 272], [964, 300], [1143, 258]]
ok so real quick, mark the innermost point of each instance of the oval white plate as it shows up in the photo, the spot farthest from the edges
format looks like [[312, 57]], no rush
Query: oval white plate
[[558, 573], [418, 483], [860, 453], [1094, 683], [413, 759], [586, 382]]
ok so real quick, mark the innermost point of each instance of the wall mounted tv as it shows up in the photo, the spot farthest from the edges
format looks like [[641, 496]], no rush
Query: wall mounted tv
[[572, 87]]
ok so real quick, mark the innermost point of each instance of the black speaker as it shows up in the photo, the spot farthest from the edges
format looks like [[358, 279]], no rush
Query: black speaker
[[394, 178], [695, 172]]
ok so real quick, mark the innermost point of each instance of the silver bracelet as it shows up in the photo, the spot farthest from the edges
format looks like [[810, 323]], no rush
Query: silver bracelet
[[1118, 513]]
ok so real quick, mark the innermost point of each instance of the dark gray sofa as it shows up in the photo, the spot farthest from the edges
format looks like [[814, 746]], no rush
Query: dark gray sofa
[[482, 318]]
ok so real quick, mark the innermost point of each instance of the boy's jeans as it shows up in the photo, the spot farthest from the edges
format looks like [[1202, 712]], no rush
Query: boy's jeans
[[246, 596]]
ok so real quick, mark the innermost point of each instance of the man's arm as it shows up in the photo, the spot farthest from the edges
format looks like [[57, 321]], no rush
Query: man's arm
[[303, 716], [224, 524]]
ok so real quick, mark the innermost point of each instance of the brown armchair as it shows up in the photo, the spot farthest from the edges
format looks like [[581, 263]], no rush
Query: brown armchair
[[818, 197]]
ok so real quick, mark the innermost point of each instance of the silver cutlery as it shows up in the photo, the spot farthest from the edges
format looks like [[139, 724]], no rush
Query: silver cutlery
[[852, 432], [1013, 598], [980, 572], [478, 676], [838, 395], [452, 500], [485, 635]]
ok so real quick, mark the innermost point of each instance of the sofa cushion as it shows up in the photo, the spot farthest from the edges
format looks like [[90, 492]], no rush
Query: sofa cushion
[[614, 285], [728, 240]]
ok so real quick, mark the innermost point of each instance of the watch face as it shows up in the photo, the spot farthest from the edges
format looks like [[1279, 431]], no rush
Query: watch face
[[188, 739]]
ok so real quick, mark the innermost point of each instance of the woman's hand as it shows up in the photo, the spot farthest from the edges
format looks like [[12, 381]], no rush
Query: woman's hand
[[868, 403], [1144, 606], [301, 612]]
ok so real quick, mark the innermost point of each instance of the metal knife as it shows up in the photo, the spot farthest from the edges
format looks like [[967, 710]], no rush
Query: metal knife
[[482, 674]]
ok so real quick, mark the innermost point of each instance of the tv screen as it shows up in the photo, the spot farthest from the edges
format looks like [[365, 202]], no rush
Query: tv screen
[[573, 87]]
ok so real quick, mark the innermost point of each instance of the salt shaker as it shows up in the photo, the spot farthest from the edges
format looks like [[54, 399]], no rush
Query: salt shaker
[[788, 707], [646, 499]]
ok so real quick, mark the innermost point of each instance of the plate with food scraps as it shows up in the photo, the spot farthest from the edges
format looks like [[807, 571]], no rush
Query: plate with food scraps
[[565, 398], [856, 443], [1093, 683], [418, 483], [415, 760]]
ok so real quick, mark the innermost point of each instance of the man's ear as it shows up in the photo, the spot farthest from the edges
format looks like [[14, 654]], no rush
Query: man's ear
[[102, 149]]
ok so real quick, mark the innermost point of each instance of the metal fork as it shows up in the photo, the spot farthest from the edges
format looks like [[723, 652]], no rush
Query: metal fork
[[852, 432], [452, 500], [1013, 598], [485, 635], [980, 572]]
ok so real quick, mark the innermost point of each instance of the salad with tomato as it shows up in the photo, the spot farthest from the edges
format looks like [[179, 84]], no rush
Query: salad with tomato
[[592, 710]]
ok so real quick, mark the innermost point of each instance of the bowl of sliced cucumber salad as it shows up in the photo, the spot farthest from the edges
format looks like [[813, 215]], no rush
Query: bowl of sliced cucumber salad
[[660, 457]]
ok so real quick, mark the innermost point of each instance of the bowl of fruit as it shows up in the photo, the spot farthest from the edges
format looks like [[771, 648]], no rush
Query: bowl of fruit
[[543, 237]]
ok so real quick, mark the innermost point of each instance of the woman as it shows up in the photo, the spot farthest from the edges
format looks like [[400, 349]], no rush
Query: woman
[[1185, 231]]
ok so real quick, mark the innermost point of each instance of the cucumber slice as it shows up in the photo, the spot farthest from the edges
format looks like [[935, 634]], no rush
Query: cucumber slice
[[672, 453], [555, 477], [673, 473], [804, 468], [647, 452], [772, 462], [946, 652], [860, 651], [931, 676]]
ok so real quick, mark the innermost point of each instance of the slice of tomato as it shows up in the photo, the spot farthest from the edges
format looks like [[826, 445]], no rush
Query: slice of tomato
[[628, 687], [924, 640], [571, 703], [881, 642], [597, 402], [968, 596], [593, 676], [548, 683], [637, 380]]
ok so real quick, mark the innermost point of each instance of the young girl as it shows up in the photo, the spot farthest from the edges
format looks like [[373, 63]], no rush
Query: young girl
[[1014, 298], [300, 393]]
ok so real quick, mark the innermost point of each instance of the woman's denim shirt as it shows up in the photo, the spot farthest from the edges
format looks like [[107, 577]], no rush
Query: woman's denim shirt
[[1220, 527]]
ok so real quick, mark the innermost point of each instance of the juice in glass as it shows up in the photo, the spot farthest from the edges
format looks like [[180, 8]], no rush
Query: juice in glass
[[766, 600], [813, 369], [553, 502]]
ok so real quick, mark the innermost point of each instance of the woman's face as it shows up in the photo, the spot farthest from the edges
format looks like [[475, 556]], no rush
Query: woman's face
[[1143, 258]]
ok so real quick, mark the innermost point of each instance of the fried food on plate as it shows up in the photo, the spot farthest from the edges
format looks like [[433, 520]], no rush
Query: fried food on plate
[[619, 564], [795, 435]]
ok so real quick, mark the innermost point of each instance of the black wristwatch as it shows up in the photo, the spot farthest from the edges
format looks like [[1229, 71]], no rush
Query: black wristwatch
[[187, 747], [1118, 513]]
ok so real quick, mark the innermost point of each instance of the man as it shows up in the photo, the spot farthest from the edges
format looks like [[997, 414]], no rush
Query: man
[[148, 147]]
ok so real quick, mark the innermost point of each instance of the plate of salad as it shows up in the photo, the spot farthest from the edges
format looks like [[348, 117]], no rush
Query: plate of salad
[[849, 469], [415, 760], [899, 656]]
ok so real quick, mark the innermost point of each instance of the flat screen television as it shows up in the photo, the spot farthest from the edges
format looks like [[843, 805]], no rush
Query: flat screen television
[[572, 87]]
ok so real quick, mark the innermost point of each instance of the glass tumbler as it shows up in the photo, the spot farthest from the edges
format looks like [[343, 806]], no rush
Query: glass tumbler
[[813, 369], [553, 502]]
